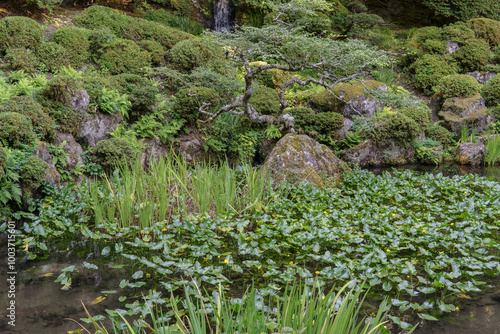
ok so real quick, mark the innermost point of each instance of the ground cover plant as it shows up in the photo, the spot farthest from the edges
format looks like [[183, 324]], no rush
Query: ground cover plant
[[427, 242]]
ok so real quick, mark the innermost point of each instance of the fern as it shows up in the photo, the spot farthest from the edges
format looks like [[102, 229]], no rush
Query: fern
[[272, 132], [129, 135], [70, 72], [352, 139], [168, 131], [112, 101], [24, 87], [146, 126]]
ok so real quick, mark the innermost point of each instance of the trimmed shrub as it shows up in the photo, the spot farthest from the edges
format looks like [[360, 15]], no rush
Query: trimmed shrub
[[329, 122], [99, 39], [155, 49], [16, 129], [422, 34], [123, 55], [440, 134], [486, 29], [265, 100], [21, 59], [43, 125], [34, 171], [52, 56], [458, 32], [93, 85], [20, 31], [140, 91], [110, 153], [491, 91], [457, 85], [66, 117], [167, 18], [429, 69], [393, 125], [420, 113], [188, 102], [473, 55], [192, 53], [272, 78], [62, 89], [434, 46], [304, 118], [76, 42]]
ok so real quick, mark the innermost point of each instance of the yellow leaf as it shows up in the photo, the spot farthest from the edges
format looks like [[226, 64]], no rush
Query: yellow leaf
[[98, 300], [47, 275]]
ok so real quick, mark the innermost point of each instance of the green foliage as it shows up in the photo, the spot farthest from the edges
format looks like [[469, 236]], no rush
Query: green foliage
[[273, 132], [111, 101], [192, 53], [304, 118], [123, 56], [67, 118], [393, 125], [491, 91], [458, 32], [62, 89], [441, 135], [426, 151], [52, 56], [188, 101], [329, 122], [420, 113], [111, 153], [473, 55], [433, 46], [93, 85], [21, 58], [3, 162], [10, 190], [265, 100], [141, 91], [157, 126], [426, 33], [167, 18], [33, 174], [20, 31], [76, 42], [48, 5], [457, 85], [155, 49], [43, 125], [493, 147], [487, 29], [130, 136], [464, 10], [429, 69], [16, 130]]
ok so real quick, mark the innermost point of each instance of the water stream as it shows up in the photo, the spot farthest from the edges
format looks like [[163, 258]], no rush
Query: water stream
[[223, 15]]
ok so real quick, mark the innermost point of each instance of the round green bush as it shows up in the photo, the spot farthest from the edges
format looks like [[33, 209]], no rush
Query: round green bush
[[457, 85], [458, 32], [265, 100], [21, 59], [192, 53], [76, 42], [440, 134], [141, 92], [393, 125], [491, 91], [420, 113], [328, 122], [43, 125], [123, 55], [422, 34], [99, 39], [155, 49], [16, 130], [486, 29], [429, 69], [473, 55], [304, 118], [34, 171], [62, 89], [111, 153], [52, 56], [433, 46], [189, 100], [19, 31]]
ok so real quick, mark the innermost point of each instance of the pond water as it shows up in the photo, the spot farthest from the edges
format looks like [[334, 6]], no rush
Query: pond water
[[42, 307]]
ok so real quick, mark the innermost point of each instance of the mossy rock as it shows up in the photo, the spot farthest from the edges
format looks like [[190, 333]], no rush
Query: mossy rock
[[43, 124], [429, 69], [21, 58], [458, 32], [487, 29], [298, 158], [76, 42], [272, 78], [34, 172], [477, 121], [491, 91], [387, 153], [440, 134], [16, 130], [62, 89], [67, 118], [192, 53], [457, 85], [393, 125], [20, 31], [123, 56], [265, 100], [464, 107], [52, 56], [473, 55]]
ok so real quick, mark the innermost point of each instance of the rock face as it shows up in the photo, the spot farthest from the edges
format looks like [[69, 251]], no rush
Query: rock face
[[190, 147], [299, 158], [342, 133], [482, 77], [81, 100], [470, 154], [72, 149], [471, 112], [52, 176], [369, 153], [155, 150], [451, 48], [97, 128]]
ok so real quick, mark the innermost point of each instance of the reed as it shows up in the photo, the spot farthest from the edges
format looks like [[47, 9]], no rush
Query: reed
[[493, 148]]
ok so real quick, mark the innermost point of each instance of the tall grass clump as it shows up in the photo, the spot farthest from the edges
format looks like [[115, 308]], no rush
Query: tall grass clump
[[493, 147], [137, 196]]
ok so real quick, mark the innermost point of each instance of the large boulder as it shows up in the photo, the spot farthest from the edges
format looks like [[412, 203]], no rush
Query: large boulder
[[154, 151], [370, 153], [97, 128], [470, 154], [52, 176], [298, 158], [190, 147], [470, 112]]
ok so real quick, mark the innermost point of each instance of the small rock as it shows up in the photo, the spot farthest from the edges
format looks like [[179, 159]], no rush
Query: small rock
[[155, 150], [342, 133], [72, 149], [470, 153], [97, 128], [81, 100], [451, 48], [369, 153], [482, 77]]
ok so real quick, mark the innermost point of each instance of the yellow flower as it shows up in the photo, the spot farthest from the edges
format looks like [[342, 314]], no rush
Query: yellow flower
[[465, 192], [423, 230], [291, 262], [324, 211], [218, 256], [317, 272], [431, 196], [452, 224], [481, 209], [393, 214], [362, 236], [226, 261], [457, 308], [164, 229], [379, 192], [322, 297], [388, 250]]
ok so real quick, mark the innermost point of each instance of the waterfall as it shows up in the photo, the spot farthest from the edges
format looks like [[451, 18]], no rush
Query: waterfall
[[223, 15]]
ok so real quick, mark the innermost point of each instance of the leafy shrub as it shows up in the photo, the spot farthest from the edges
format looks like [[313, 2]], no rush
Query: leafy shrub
[[110, 153], [123, 55], [111, 101], [3, 162], [167, 18], [457, 85], [491, 91], [440, 134], [43, 124], [423, 34], [393, 125], [418, 112], [33, 174], [155, 49], [93, 85], [76, 42], [265, 100], [272, 78], [19, 31], [486, 29], [16, 130], [52, 56], [464, 10], [21, 59], [67, 118], [99, 39], [189, 100], [48, 5], [141, 91], [304, 118], [473, 55], [429, 69], [192, 53], [62, 89], [458, 32], [328, 122], [433, 46]]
